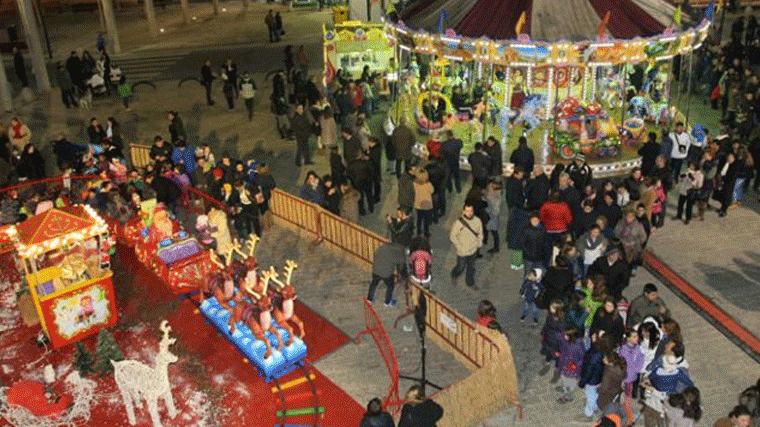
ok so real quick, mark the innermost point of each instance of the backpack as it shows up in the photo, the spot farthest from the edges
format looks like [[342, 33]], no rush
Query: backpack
[[420, 260]]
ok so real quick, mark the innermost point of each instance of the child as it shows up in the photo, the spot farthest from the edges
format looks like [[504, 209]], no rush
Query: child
[[551, 336], [570, 358], [634, 358], [125, 91], [529, 291], [576, 313], [592, 370], [658, 207], [421, 260], [486, 313]]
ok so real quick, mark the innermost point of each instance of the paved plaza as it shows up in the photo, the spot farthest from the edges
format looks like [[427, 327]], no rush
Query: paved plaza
[[719, 256]]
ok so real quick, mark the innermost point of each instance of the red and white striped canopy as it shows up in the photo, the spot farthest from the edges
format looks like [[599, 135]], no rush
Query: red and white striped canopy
[[545, 20]]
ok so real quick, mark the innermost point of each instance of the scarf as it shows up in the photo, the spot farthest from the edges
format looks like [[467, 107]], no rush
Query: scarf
[[17, 131]]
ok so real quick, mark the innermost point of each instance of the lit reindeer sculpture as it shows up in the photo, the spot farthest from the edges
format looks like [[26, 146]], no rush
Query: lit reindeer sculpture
[[283, 308], [137, 381]]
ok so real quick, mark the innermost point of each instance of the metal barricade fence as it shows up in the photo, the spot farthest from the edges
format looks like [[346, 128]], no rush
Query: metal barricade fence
[[374, 328]]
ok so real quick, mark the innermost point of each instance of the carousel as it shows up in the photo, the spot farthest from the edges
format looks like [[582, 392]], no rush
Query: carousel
[[595, 82], [66, 264]]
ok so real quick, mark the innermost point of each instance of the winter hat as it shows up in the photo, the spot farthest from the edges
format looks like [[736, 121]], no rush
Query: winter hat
[[217, 173], [539, 273], [227, 188], [580, 156], [612, 250], [609, 421]]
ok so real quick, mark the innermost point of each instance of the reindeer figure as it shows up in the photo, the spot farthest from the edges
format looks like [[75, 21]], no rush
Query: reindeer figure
[[221, 284], [137, 381], [283, 308], [264, 321]]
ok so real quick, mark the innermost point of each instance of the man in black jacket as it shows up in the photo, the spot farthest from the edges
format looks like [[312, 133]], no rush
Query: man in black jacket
[[401, 227], [437, 174], [352, 147], [450, 150], [523, 155], [360, 173], [535, 244], [580, 172], [419, 411], [493, 149], [375, 154], [166, 190], [538, 188], [207, 78], [337, 167], [649, 152], [614, 269], [480, 165], [302, 129]]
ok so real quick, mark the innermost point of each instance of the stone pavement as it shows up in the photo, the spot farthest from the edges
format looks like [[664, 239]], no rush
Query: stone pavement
[[334, 287]]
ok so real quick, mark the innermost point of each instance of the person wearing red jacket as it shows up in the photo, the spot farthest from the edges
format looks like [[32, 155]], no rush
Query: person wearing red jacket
[[556, 215]]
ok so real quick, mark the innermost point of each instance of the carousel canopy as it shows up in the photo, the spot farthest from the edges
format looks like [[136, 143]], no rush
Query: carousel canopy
[[545, 20], [56, 227]]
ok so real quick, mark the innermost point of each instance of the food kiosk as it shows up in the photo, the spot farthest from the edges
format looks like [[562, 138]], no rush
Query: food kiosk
[[65, 258]]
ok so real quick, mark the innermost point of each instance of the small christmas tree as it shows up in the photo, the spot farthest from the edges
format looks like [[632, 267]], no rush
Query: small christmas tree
[[106, 350], [82, 360]]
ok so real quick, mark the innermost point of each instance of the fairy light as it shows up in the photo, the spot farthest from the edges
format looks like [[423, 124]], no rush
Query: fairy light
[[550, 93]]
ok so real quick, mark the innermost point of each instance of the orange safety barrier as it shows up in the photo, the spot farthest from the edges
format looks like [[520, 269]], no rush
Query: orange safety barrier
[[459, 332], [374, 328]]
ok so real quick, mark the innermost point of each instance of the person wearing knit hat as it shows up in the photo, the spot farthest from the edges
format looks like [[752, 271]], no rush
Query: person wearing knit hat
[[580, 172], [217, 173]]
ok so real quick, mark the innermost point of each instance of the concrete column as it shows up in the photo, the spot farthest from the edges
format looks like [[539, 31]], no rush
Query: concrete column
[[150, 14], [6, 99], [185, 11], [215, 3], [35, 45], [110, 18]]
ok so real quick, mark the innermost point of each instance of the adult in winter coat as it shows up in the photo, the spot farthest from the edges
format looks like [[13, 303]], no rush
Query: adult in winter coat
[[328, 129], [535, 244], [31, 165], [558, 280], [518, 216], [523, 155], [647, 304], [467, 237], [450, 151], [556, 215], [375, 416], [493, 149], [608, 320], [405, 196], [612, 380], [302, 128], [418, 411], [538, 188], [580, 172], [389, 258], [183, 154], [649, 152], [349, 202], [633, 236], [614, 269], [176, 127], [592, 370], [480, 165], [95, 132], [551, 338], [403, 140], [493, 200], [591, 246]]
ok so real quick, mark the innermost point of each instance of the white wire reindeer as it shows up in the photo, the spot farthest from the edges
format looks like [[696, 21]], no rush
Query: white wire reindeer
[[137, 381]]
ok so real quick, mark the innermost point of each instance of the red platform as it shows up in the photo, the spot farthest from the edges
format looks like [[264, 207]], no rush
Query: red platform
[[211, 383]]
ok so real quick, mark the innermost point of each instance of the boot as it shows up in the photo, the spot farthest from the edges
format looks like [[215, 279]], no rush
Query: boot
[[555, 377], [701, 210], [544, 369]]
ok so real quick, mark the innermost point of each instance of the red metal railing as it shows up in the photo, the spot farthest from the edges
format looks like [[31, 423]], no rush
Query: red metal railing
[[374, 328]]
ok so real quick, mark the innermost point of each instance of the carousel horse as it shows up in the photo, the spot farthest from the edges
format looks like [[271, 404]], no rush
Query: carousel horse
[[532, 106], [283, 308]]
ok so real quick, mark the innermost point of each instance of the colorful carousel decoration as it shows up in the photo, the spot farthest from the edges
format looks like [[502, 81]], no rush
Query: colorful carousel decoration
[[593, 82]]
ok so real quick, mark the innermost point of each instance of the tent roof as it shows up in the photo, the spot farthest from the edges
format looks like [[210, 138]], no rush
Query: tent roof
[[546, 20], [54, 223]]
